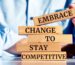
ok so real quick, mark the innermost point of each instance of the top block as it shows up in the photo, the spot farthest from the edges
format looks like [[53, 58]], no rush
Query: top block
[[54, 17]]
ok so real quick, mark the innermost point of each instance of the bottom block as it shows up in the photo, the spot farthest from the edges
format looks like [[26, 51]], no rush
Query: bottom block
[[44, 56]]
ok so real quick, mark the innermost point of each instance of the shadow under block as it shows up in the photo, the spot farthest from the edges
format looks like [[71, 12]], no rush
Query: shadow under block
[[43, 62]]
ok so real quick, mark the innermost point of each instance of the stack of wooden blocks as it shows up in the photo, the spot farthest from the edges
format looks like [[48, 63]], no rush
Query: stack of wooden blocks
[[43, 45]]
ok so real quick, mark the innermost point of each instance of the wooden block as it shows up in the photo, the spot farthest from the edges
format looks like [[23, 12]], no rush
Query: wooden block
[[44, 56], [39, 29], [43, 62], [52, 38], [54, 17], [38, 47]]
